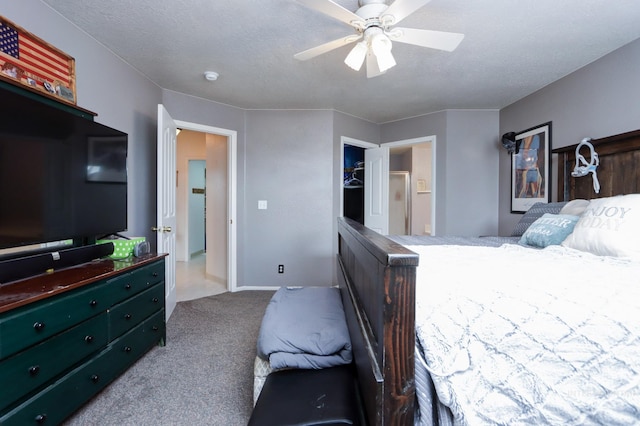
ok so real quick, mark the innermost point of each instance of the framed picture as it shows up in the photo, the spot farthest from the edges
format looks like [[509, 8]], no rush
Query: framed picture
[[107, 159], [530, 177], [32, 63]]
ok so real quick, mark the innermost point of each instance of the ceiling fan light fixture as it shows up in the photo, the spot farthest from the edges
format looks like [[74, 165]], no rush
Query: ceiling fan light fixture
[[373, 22], [356, 57], [385, 61], [381, 48]]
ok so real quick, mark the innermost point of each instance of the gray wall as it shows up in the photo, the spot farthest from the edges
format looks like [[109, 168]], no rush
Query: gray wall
[[466, 167], [289, 164], [598, 100], [122, 98], [289, 159]]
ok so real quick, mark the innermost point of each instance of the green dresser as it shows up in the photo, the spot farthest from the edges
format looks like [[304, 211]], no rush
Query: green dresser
[[68, 341]]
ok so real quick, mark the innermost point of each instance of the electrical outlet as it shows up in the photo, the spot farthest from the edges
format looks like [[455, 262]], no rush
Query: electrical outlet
[[281, 269]]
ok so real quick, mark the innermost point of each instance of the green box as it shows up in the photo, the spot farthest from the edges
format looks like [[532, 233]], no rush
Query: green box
[[122, 248]]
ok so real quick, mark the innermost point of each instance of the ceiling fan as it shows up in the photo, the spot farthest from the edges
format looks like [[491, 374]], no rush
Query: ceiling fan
[[374, 24]]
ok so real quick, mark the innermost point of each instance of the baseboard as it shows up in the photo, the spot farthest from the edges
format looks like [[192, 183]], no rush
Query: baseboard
[[245, 288], [196, 254]]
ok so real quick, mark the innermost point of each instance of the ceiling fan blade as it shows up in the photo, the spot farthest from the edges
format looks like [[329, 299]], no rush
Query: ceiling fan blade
[[400, 9], [372, 66], [335, 11], [327, 47], [426, 38]]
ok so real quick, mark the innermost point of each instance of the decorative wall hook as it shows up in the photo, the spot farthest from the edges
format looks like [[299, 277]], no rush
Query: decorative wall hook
[[583, 167]]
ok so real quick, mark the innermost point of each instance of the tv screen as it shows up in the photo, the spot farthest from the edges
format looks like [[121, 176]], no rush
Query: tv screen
[[62, 176]]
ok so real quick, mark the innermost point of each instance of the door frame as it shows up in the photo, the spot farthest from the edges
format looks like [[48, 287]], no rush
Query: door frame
[[416, 141], [345, 140], [232, 185]]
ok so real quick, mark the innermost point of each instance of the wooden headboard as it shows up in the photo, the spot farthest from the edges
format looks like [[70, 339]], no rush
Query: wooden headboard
[[618, 173]]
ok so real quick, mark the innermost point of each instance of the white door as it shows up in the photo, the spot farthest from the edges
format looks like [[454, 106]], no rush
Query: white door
[[166, 209], [376, 189]]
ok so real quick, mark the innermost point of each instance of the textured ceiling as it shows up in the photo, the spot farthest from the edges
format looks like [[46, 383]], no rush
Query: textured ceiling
[[511, 49]]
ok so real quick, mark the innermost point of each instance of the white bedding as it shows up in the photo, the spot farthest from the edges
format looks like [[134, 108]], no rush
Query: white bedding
[[520, 336]]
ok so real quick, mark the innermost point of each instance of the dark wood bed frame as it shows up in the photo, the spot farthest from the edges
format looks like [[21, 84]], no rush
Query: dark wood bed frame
[[377, 278], [377, 281]]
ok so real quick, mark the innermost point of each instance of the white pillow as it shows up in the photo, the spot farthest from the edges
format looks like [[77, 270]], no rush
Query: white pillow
[[575, 207], [609, 227]]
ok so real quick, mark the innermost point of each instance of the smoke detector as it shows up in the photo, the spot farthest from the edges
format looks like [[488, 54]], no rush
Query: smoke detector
[[211, 75]]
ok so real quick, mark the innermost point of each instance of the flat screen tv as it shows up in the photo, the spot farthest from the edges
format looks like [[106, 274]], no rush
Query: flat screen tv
[[62, 176]]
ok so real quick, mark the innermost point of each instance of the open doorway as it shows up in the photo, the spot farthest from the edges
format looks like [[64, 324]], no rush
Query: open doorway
[[205, 211], [411, 196], [410, 189], [201, 199], [353, 183]]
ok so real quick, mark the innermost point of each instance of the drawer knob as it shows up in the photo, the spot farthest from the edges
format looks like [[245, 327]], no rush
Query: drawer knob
[[154, 275], [38, 326], [155, 300], [88, 339], [95, 378], [127, 349], [93, 303], [127, 316], [127, 286], [33, 370], [41, 418], [155, 328]]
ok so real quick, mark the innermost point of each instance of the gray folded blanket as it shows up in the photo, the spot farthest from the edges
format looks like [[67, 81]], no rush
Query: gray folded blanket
[[305, 327]]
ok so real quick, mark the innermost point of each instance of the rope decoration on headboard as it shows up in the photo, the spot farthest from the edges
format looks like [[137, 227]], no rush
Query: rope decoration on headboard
[[583, 167]]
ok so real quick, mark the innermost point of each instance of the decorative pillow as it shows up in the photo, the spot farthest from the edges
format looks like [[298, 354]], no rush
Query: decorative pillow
[[609, 227], [535, 212], [575, 207], [550, 229]]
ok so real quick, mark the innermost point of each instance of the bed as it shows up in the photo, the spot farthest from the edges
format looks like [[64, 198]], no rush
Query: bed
[[378, 279]]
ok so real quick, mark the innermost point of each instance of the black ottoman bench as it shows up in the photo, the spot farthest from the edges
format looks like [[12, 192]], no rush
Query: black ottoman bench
[[306, 397]]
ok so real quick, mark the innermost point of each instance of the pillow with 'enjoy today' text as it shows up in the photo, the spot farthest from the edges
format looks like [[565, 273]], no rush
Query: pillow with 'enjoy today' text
[[609, 227]]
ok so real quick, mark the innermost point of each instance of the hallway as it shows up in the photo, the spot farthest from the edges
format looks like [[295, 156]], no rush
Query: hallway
[[191, 280]]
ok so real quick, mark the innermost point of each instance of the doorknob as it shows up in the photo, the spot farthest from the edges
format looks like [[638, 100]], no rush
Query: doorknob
[[161, 229]]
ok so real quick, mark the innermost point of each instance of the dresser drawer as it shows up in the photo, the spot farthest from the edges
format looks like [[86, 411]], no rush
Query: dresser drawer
[[134, 344], [132, 311], [30, 369], [57, 402], [38, 321], [130, 283]]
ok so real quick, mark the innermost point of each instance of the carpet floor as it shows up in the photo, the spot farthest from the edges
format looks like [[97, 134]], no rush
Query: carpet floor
[[203, 376]]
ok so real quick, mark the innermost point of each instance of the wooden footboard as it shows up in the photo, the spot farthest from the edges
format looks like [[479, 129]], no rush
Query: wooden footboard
[[377, 281]]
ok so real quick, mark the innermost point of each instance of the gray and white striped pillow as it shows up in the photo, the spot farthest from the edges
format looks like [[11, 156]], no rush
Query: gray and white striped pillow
[[536, 211]]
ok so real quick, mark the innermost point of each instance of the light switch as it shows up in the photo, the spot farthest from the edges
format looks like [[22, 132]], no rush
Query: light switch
[[262, 204]]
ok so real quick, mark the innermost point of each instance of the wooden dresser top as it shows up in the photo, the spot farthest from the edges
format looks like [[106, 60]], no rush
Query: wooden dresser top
[[22, 292]]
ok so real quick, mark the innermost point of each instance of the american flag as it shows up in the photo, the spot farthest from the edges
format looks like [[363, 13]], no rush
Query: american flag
[[32, 55]]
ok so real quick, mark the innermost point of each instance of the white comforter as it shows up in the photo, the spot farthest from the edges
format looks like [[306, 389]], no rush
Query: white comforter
[[519, 336]]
